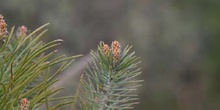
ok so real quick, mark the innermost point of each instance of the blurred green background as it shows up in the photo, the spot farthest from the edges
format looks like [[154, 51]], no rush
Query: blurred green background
[[177, 40]]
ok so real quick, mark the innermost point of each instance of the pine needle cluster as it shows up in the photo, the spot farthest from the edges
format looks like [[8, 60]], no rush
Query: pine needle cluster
[[25, 69], [110, 79]]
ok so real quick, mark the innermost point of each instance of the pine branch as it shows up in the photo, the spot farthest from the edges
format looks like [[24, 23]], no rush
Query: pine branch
[[25, 69], [110, 79]]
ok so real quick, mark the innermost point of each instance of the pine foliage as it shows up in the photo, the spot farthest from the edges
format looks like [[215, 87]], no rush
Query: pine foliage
[[27, 77], [110, 79], [25, 69]]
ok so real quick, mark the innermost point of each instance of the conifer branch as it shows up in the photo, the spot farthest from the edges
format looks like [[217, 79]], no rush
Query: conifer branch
[[110, 79], [25, 69]]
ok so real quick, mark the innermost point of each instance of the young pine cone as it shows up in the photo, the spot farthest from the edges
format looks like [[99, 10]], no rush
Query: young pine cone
[[24, 104], [3, 27], [116, 51], [105, 49]]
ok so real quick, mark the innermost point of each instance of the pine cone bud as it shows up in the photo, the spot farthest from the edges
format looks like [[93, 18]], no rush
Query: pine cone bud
[[116, 51], [24, 104], [3, 26], [105, 49], [22, 30]]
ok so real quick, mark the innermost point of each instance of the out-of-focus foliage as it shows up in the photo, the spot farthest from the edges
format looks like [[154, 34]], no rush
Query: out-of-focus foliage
[[25, 70], [178, 41]]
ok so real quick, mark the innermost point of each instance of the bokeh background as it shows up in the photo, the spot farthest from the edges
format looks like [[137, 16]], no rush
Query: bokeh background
[[177, 40]]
